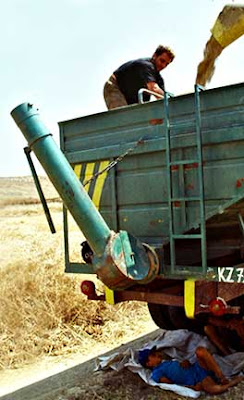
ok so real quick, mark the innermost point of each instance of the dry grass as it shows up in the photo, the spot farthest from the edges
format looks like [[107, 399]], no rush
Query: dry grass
[[42, 311]]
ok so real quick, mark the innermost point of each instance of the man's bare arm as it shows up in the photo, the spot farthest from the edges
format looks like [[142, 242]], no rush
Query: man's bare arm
[[185, 364], [165, 380], [153, 86]]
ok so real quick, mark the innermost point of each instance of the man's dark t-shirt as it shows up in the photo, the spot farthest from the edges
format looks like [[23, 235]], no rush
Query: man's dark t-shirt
[[135, 75]]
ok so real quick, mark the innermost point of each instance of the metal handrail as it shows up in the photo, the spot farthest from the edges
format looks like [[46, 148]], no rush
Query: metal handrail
[[142, 90]]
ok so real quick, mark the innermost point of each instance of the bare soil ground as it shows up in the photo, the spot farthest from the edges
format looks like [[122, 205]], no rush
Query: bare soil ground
[[47, 326], [126, 385], [81, 382]]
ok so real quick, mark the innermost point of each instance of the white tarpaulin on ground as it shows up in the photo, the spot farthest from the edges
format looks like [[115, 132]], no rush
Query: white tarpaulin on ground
[[180, 344]]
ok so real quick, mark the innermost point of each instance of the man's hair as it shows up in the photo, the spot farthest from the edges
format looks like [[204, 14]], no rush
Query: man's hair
[[164, 49]]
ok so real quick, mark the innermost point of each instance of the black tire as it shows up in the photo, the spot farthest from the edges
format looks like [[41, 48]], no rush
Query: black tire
[[180, 321], [160, 316], [172, 318]]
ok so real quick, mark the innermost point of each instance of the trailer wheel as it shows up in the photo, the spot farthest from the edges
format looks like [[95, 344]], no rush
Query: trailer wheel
[[172, 318], [160, 316], [180, 321]]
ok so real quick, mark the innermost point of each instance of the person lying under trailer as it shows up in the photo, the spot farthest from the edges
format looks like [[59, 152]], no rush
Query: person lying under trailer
[[203, 375]]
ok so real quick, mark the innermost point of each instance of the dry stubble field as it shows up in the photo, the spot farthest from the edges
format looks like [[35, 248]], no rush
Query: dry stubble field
[[43, 315]]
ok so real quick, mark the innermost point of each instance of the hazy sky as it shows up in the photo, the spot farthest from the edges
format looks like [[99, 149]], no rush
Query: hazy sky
[[57, 55]]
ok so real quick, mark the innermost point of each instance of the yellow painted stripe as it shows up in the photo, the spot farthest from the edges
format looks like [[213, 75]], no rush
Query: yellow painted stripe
[[77, 170], [109, 295], [189, 298], [99, 184], [88, 174]]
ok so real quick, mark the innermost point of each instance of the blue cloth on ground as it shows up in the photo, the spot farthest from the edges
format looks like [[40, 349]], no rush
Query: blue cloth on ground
[[179, 375]]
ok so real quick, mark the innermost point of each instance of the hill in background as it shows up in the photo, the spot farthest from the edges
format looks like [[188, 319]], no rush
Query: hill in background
[[22, 190]]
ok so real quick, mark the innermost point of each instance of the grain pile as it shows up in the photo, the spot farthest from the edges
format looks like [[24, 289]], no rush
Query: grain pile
[[42, 311]]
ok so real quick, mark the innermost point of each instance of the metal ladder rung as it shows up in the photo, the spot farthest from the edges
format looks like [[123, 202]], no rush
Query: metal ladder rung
[[171, 167], [185, 199], [183, 162], [193, 236]]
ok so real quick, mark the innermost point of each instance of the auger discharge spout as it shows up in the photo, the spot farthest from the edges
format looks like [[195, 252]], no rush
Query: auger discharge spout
[[120, 260], [228, 27]]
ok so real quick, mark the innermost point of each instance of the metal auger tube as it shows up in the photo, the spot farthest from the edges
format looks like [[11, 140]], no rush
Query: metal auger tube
[[120, 260], [62, 176]]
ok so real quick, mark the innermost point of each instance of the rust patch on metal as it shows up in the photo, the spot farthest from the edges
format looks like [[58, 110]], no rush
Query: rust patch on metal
[[191, 166], [141, 141], [152, 297], [190, 186], [156, 121], [174, 168], [239, 182]]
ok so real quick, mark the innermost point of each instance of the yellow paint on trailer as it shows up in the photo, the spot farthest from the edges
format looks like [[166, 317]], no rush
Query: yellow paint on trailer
[[99, 182], [189, 298], [88, 175], [109, 295], [77, 170], [96, 197]]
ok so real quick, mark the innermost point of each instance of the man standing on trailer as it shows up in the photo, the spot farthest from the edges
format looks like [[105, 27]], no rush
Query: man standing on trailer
[[123, 85]]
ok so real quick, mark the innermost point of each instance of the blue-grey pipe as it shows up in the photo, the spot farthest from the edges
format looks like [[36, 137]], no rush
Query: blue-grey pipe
[[63, 177]]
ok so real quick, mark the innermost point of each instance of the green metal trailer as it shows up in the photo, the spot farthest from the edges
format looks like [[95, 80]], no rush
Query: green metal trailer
[[167, 178]]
